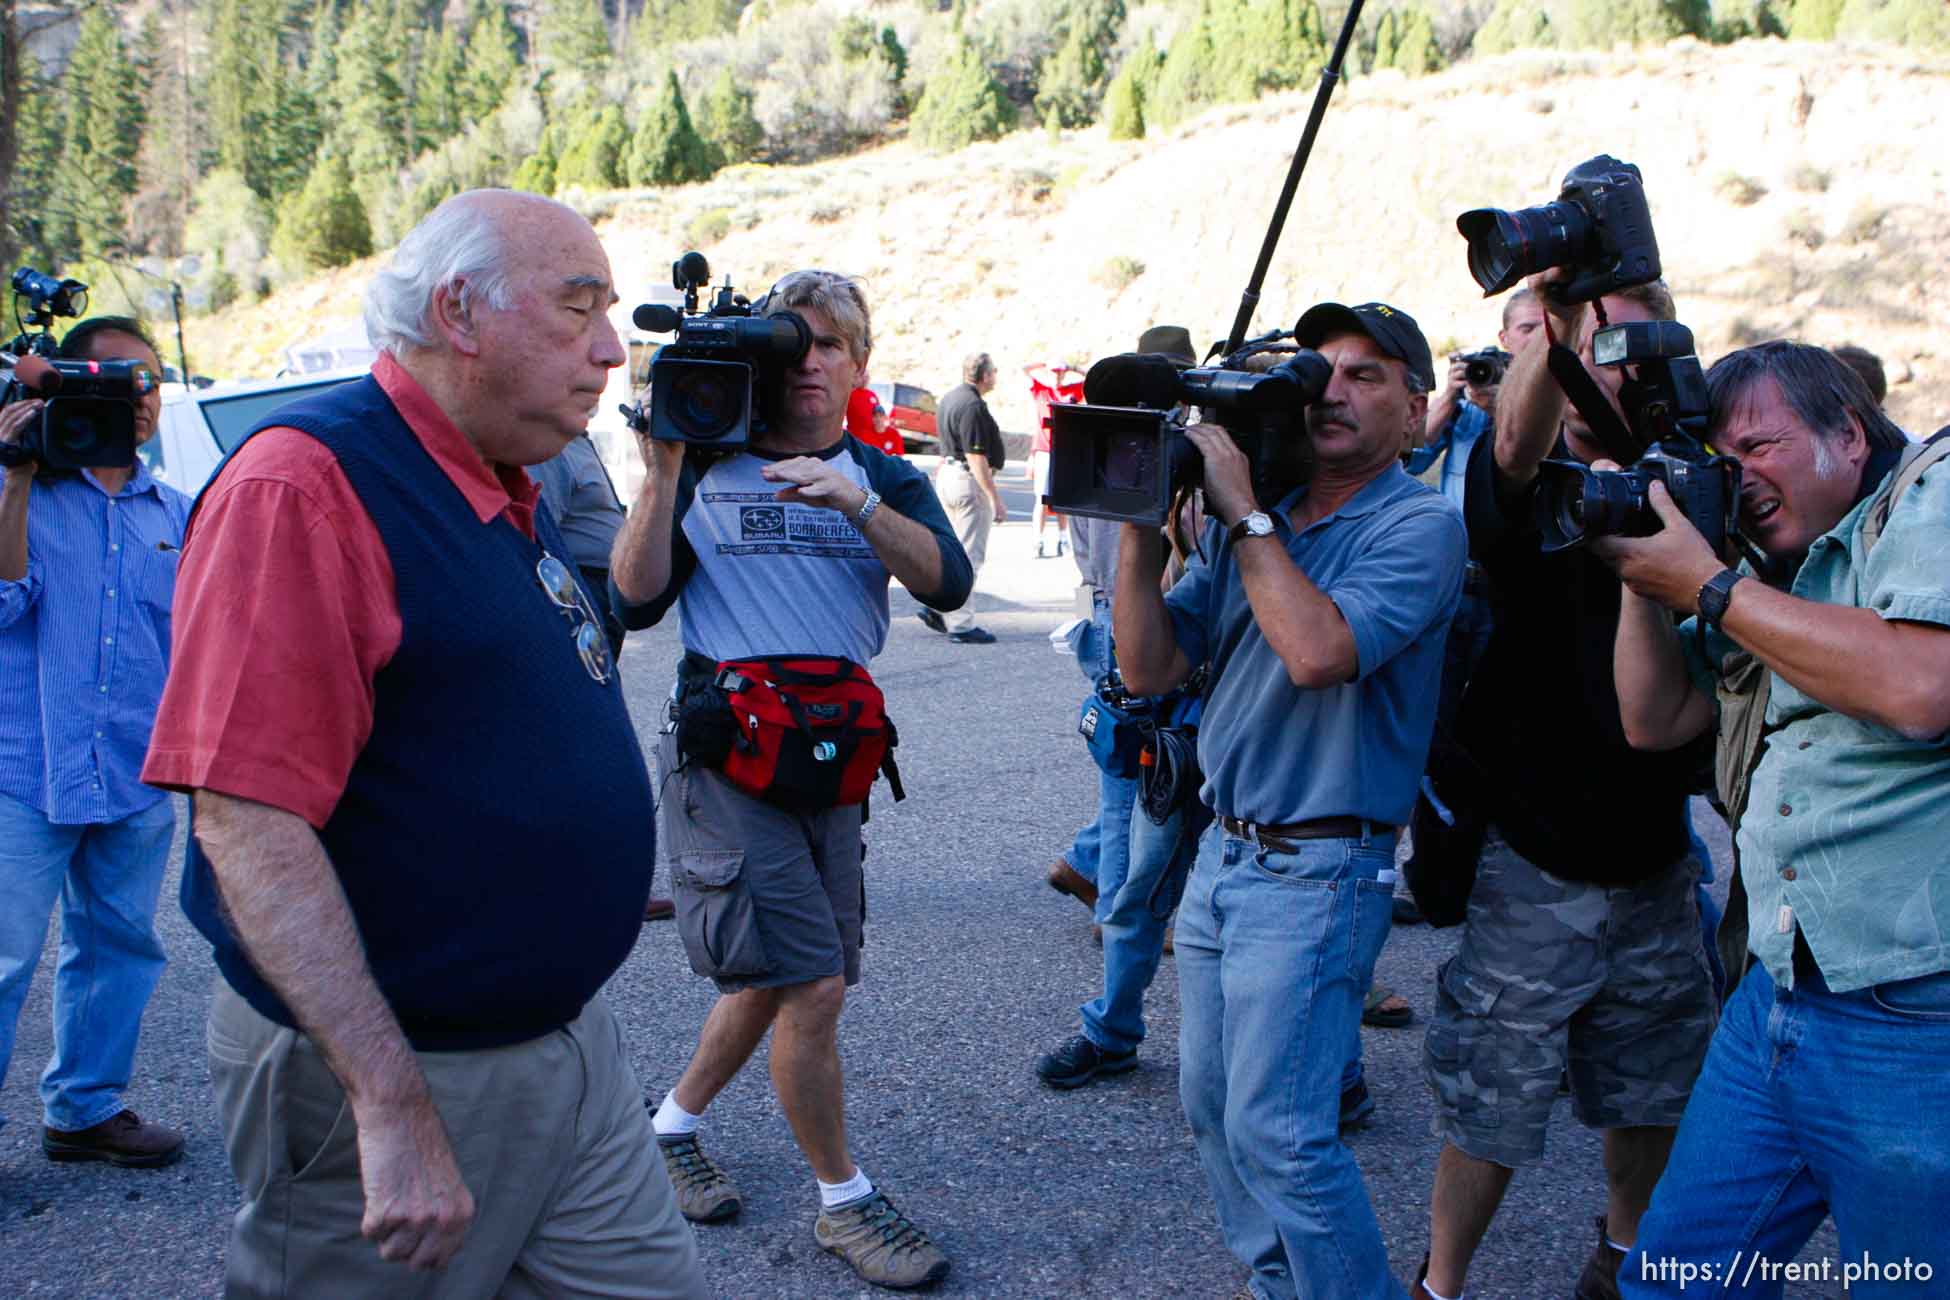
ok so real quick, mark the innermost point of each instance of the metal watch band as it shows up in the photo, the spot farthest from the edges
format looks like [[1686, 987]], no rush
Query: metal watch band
[[867, 507]]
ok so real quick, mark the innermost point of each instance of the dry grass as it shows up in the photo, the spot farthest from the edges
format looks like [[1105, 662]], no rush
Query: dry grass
[[1810, 179], [1741, 191], [1803, 227]]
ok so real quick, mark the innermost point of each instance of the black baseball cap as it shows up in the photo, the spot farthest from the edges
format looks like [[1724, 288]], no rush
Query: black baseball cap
[[1394, 330]]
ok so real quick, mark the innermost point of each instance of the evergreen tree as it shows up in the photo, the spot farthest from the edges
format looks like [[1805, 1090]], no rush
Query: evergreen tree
[[1074, 79], [491, 63], [1291, 43], [1188, 79], [323, 224], [537, 171], [292, 134], [166, 166], [667, 149], [370, 131], [41, 233], [440, 111], [1814, 20], [1600, 24], [1124, 101], [322, 51], [962, 103], [1913, 24], [1514, 25], [726, 120], [573, 36], [594, 155], [96, 176]]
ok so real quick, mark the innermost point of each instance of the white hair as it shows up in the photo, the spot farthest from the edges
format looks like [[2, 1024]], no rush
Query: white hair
[[458, 244]]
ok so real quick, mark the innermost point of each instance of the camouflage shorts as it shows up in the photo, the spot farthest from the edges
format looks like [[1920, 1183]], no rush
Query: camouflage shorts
[[1611, 983]]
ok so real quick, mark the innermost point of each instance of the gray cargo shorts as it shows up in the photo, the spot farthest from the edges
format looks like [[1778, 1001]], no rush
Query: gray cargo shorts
[[1552, 973], [765, 898]]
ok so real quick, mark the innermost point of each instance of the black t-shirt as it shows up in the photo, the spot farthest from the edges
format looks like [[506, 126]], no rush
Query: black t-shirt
[[1540, 718], [963, 422]]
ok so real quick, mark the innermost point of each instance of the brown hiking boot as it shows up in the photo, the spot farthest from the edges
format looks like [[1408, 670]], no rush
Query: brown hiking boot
[[1599, 1281], [884, 1246], [122, 1139], [704, 1194], [1066, 879]]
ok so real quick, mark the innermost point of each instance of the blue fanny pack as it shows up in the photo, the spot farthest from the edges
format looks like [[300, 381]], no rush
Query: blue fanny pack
[[1118, 726]]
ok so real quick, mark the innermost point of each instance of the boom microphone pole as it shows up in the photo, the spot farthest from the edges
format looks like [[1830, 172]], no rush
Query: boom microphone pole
[[1328, 77]]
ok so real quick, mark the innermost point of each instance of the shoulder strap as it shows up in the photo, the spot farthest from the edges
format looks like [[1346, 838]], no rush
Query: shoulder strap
[[1917, 459]]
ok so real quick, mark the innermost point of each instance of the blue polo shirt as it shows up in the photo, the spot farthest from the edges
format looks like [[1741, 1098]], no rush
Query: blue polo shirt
[[1391, 559]]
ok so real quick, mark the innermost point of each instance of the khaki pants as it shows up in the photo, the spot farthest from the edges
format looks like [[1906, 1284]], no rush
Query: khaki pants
[[570, 1193], [971, 515]]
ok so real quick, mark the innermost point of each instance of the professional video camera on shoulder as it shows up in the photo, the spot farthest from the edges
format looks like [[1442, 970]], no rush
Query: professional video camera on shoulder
[[1600, 231], [714, 386], [1123, 453], [89, 419]]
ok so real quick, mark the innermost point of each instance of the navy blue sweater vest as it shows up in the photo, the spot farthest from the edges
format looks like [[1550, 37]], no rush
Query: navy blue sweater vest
[[496, 835]]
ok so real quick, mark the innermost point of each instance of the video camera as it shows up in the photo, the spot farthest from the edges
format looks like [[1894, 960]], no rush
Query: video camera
[[1484, 367], [89, 419], [1123, 453], [1600, 227], [713, 387]]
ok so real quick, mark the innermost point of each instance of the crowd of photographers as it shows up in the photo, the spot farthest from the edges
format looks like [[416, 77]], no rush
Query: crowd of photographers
[[1636, 580]]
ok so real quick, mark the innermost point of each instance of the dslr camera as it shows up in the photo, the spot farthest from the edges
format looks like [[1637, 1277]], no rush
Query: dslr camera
[[1665, 407], [713, 386], [1600, 227], [89, 419], [1484, 367], [1123, 453]]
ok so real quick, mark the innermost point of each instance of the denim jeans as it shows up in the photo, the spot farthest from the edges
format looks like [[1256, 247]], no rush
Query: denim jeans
[[1134, 922], [1274, 952], [1811, 1103], [107, 878], [1101, 851]]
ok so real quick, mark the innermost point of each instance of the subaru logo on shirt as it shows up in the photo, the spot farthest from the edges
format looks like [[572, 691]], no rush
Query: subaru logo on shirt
[[762, 521]]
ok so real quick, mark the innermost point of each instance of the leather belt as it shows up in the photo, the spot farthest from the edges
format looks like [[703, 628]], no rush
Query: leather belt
[[1318, 828]]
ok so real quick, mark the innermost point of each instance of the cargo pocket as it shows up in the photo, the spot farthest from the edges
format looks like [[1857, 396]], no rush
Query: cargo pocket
[[1466, 1085], [715, 916]]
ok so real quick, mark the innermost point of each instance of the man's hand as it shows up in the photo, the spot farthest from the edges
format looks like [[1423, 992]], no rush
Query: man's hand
[[417, 1208], [815, 482], [1484, 398], [15, 419], [1001, 510], [661, 458], [1228, 476], [1458, 377], [1668, 567], [1566, 319]]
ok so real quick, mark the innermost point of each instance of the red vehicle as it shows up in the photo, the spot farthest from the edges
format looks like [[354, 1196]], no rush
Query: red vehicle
[[912, 411]]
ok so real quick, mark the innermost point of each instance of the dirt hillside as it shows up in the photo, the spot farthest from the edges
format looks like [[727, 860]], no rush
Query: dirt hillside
[[1798, 190]]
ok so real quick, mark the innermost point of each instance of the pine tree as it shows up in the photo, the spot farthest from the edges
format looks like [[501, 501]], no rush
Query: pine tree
[[323, 224], [726, 120], [667, 149], [166, 167], [369, 133], [440, 111], [322, 51], [97, 174], [41, 233], [537, 171], [1124, 101], [594, 155], [574, 37], [491, 63], [1075, 77], [1187, 81], [962, 103]]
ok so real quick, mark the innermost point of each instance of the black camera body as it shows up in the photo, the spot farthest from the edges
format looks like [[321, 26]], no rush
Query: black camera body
[[1123, 453], [1484, 367], [1600, 227], [713, 386], [1665, 407], [89, 419]]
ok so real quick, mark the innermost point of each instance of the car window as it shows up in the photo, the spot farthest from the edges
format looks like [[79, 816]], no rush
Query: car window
[[232, 415]]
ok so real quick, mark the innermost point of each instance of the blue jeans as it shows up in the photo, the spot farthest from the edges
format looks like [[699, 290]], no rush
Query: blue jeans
[[1134, 922], [1811, 1103], [1274, 953], [1101, 851], [107, 878]]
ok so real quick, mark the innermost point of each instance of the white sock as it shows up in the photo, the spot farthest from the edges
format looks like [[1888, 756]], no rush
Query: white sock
[[1434, 1294], [1614, 1245], [831, 1194], [672, 1119]]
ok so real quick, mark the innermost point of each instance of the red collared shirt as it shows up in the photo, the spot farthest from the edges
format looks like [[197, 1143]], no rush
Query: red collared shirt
[[286, 611]]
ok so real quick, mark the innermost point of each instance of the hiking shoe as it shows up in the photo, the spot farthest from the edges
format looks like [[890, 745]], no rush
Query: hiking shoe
[[1599, 1281], [123, 1139], [1357, 1107], [973, 636], [1079, 1061], [931, 618], [884, 1246], [704, 1194]]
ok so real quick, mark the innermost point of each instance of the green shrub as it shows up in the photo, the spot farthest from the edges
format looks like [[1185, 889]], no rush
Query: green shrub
[[708, 227], [1117, 274], [667, 149], [1814, 20], [1921, 24], [1804, 228], [1865, 222], [1514, 25], [1601, 24], [1124, 102], [725, 119], [1810, 179], [1741, 191], [323, 224], [963, 103]]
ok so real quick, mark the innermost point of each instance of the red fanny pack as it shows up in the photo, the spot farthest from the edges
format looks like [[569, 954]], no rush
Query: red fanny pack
[[807, 733]]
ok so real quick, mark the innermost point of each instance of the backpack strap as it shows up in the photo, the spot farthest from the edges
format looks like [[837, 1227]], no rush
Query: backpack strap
[[1918, 458]]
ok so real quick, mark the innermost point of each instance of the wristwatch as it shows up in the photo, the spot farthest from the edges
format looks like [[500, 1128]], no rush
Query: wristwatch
[[1256, 524], [865, 512], [1714, 594]]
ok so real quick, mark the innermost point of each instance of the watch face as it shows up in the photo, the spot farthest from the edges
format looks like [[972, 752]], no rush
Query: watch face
[[1259, 525]]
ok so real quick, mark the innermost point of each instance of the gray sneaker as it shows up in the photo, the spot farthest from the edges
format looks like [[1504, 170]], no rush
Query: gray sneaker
[[883, 1245], [704, 1194]]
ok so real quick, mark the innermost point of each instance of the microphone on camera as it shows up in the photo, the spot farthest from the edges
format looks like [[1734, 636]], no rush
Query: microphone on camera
[[1133, 379], [657, 318]]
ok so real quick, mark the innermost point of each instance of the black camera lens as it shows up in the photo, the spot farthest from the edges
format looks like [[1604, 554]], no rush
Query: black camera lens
[[705, 402], [1504, 247], [1576, 503]]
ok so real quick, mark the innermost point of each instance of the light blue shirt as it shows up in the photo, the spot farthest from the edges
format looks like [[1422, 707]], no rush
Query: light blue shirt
[[84, 645], [1458, 437], [1391, 559], [1846, 836]]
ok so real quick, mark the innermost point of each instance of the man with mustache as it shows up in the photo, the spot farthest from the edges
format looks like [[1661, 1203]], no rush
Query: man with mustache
[[1582, 945], [1824, 1079], [784, 549], [1322, 614]]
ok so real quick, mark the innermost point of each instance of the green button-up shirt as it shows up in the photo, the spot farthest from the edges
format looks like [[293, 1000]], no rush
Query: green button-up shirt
[[1847, 829]]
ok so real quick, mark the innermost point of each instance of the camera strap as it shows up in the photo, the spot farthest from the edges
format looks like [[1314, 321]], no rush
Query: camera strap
[[1567, 368]]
